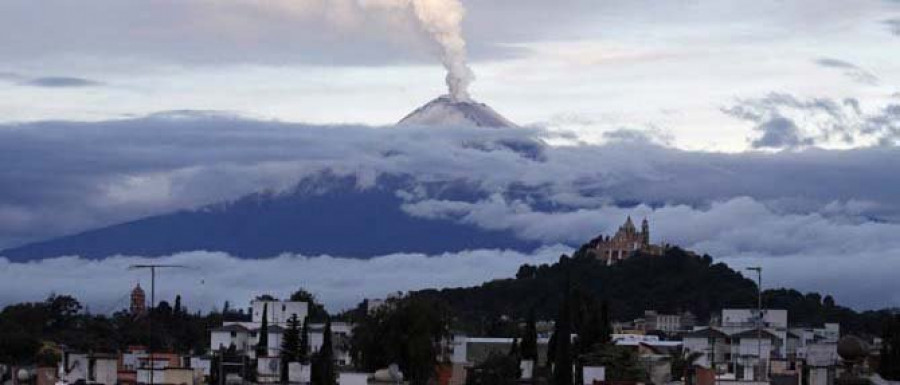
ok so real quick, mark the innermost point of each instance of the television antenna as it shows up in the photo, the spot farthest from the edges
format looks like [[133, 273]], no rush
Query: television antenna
[[152, 268]]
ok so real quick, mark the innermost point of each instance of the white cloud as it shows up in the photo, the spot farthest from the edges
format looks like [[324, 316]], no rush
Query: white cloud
[[212, 278]]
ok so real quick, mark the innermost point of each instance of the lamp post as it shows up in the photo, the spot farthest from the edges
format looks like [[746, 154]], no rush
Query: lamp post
[[759, 319]]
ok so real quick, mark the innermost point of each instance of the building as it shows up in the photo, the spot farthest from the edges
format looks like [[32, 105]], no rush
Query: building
[[624, 243], [278, 312], [669, 323], [466, 352], [744, 345], [243, 337], [88, 367], [138, 300]]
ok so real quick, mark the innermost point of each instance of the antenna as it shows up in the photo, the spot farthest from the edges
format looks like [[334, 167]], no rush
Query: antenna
[[152, 268]]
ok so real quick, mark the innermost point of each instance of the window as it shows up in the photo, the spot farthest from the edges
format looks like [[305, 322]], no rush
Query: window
[[233, 334]]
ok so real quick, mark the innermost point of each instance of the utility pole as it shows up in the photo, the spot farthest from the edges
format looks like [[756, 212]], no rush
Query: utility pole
[[759, 320], [152, 268]]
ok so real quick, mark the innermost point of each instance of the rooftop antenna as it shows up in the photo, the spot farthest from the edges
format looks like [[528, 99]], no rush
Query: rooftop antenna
[[152, 268]]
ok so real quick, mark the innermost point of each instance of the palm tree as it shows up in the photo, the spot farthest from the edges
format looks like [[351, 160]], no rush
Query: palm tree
[[682, 362]]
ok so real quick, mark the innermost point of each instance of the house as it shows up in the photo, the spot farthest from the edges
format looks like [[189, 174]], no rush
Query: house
[[655, 321], [243, 336], [654, 354], [466, 352], [746, 345], [93, 368]]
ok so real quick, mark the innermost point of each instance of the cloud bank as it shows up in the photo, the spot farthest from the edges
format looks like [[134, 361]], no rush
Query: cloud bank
[[794, 208], [210, 278]]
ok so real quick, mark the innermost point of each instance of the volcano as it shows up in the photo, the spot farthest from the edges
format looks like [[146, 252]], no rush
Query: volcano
[[444, 111]]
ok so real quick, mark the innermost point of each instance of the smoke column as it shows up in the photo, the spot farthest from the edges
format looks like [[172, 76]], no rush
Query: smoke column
[[442, 20]]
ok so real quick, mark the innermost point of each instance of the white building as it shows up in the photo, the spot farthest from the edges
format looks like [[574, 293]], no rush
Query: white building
[[92, 368], [244, 336], [772, 318], [279, 312]]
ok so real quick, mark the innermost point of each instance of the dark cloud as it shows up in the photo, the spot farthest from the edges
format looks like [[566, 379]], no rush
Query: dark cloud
[[893, 25], [850, 70], [61, 82], [64, 177], [780, 132], [825, 121], [647, 136]]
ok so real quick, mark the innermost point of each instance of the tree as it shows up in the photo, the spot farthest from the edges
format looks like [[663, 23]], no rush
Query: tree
[[621, 363], [18, 347], [529, 340], [406, 331], [682, 361], [290, 346], [303, 351], [514, 350], [262, 344], [266, 298], [63, 309], [606, 330], [290, 341], [497, 369], [178, 308], [889, 367], [317, 311], [323, 370], [590, 327], [562, 353]]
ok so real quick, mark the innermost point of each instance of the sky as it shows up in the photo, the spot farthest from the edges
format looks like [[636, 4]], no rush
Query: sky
[[772, 127]]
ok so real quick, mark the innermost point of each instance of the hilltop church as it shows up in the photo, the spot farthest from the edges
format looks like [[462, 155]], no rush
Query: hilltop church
[[627, 241]]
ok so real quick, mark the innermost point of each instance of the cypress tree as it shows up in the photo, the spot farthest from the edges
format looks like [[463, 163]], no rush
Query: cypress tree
[[177, 311], [262, 345], [529, 340], [290, 343], [514, 349], [290, 346], [562, 357], [889, 366], [323, 369], [303, 351], [605, 324]]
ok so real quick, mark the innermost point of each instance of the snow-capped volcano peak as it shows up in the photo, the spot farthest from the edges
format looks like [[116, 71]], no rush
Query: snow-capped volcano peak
[[444, 111]]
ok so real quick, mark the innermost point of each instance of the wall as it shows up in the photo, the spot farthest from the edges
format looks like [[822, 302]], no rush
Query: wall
[[279, 311]]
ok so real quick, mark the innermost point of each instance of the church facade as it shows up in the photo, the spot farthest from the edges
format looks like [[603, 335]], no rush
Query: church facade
[[626, 241]]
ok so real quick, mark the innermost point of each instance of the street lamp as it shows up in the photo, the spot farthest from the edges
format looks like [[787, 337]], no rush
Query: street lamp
[[759, 319]]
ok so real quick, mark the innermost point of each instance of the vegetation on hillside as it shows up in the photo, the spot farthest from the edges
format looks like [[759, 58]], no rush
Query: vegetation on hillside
[[676, 282]]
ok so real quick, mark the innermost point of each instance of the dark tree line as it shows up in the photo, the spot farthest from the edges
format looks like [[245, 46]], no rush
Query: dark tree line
[[676, 282], [889, 367], [405, 331], [26, 329]]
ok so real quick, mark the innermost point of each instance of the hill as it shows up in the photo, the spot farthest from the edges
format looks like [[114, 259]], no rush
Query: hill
[[325, 214], [677, 281]]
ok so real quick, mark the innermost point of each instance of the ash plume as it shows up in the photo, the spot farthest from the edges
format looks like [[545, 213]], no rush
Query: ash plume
[[442, 20]]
